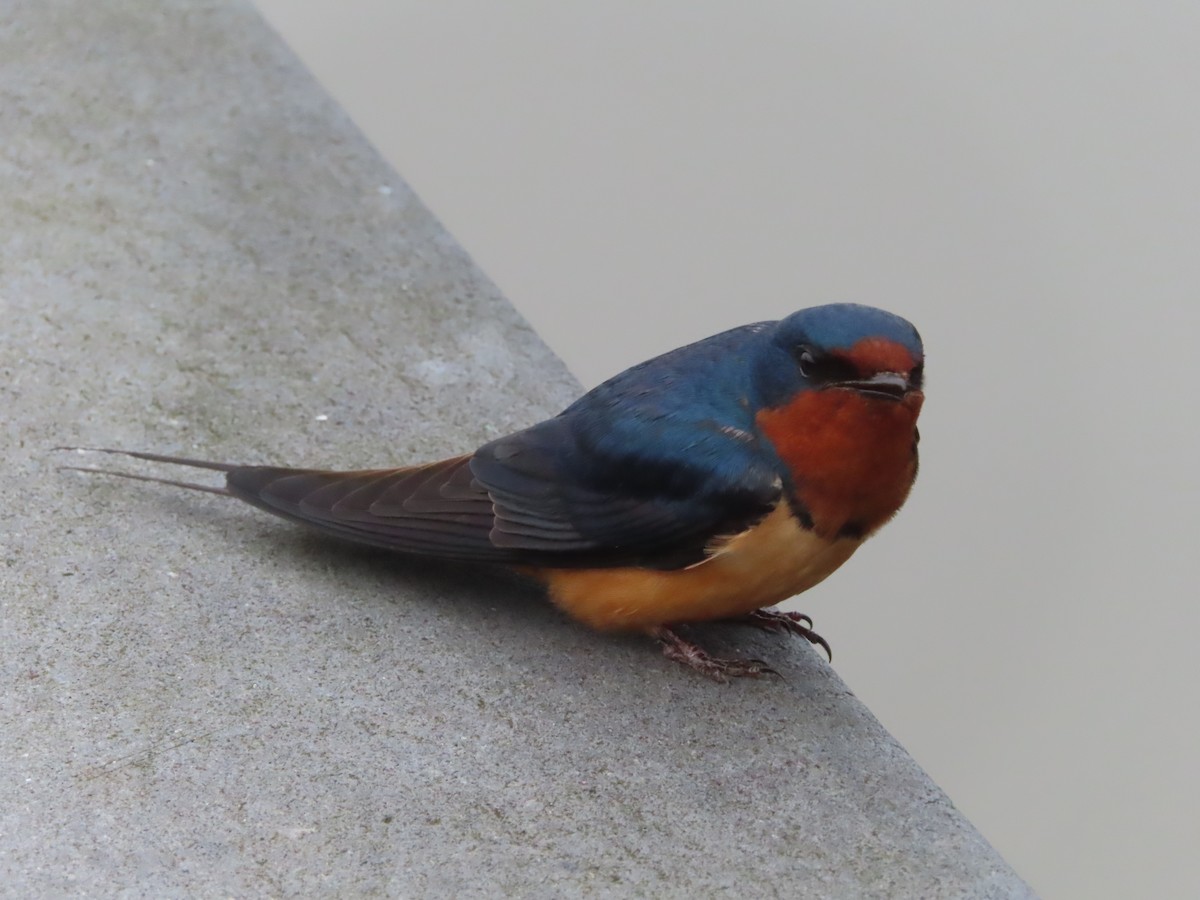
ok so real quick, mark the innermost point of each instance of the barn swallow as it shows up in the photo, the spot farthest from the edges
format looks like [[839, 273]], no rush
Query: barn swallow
[[709, 483]]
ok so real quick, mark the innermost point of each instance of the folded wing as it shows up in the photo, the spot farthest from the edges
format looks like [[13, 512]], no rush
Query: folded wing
[[542, 496]]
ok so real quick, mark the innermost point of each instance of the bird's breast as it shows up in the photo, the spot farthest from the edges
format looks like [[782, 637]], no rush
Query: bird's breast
[[852, 457], [774, 560]]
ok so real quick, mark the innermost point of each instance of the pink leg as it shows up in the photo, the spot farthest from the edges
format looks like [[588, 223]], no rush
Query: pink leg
[[683, 651]]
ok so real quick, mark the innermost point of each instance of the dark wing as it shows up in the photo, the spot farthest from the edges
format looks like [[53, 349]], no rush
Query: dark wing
[[544, 496], [651, 468], [657, 496]]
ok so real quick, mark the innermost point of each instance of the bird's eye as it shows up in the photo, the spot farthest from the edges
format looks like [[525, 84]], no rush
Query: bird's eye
[[806, 361], [917, 376], [821, 368]]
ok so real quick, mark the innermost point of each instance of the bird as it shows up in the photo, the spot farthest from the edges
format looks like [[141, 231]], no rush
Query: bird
[[706, 484]]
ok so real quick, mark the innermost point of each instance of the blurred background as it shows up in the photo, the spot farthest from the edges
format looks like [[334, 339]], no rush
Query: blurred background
[[1022, 180]]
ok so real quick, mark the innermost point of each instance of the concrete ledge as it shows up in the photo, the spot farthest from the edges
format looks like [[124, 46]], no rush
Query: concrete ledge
[[199, 253]]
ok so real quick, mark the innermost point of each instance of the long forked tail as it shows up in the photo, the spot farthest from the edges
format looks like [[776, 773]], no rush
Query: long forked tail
[[436, 509], [154, 457]]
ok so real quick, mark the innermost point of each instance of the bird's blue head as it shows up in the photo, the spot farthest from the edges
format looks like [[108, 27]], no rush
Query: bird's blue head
[[847, 346]]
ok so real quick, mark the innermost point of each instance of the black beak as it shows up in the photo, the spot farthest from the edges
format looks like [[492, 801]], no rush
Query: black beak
[[891, 385]]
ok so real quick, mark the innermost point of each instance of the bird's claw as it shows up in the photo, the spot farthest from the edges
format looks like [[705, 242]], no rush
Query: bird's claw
[[679, 650], [791, 622]]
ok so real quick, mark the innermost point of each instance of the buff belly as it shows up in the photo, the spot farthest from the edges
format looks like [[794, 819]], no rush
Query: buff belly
[[760, 567]]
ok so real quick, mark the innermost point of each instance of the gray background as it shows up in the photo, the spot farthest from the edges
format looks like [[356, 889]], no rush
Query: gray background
[[1021, 180]]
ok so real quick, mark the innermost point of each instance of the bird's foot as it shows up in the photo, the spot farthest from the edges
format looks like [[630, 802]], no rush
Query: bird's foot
[[691, 655], [791, 622]]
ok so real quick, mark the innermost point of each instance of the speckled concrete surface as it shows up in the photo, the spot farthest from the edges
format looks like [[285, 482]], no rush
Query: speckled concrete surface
[[199, 254]]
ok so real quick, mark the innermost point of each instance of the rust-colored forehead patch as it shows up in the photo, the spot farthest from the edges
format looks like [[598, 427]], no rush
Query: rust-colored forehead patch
[[871, 355]]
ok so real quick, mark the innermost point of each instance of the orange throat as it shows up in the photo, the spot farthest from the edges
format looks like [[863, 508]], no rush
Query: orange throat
[[852, 457]]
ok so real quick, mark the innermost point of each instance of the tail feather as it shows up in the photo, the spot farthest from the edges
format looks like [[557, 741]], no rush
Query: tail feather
[[190, 485], [430, 510], [154, 457]]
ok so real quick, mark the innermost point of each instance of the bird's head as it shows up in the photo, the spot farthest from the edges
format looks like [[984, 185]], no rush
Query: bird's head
[[848, 347], [840, 389]]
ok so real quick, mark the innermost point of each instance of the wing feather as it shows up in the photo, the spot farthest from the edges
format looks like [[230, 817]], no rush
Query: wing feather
[[565, 499]]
